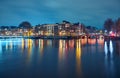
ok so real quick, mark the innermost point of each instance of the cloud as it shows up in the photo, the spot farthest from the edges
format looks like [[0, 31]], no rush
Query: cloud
[[90, 12]]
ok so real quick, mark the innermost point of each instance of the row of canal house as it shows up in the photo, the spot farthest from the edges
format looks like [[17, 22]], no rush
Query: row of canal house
[[9, 30], [64, 29], [15, 31]]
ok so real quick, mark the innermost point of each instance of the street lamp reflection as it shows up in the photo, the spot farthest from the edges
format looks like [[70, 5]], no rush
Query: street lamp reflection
[[106, 48], [78, 57], [111, 47]]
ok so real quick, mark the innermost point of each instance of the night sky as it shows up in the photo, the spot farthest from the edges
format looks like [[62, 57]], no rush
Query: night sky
[[89, 12]]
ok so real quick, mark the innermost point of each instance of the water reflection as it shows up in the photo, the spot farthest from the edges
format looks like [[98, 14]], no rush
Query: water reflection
[[6, 47], [71, 44], [61, 50], [62, 57], [0, 52], [111, 47], [0, 48], [84, 41], [41, 46], [23, 45], [29, 44], [64, 45], [117, 48], [71, 57], [109, 63], [10, 43], [100, 41], [106, 48], [91, 41], [78, 57], [49, 42]]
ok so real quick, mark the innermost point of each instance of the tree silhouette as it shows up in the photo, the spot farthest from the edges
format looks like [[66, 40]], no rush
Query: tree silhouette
[[108, 25], [25, 24], [118, 25]]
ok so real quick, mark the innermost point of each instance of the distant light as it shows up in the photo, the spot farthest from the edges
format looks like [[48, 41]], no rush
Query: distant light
[[105, 31], [112, 33]]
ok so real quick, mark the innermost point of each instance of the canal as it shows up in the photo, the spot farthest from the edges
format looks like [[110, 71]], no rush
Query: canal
[[47, 58]]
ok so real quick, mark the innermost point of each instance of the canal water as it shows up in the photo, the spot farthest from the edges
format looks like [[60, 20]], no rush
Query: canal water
[[44, 58]]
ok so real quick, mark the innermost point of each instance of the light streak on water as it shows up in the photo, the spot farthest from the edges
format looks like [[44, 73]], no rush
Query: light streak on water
[[111, 47], [106, 48], [78, 57]]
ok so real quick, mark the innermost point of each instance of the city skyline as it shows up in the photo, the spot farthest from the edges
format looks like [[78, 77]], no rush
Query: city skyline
[[92, 13]]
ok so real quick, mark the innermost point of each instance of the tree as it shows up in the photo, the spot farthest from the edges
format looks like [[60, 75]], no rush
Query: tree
[[118, 25], [64, 21], [25, 24], [108, 25]]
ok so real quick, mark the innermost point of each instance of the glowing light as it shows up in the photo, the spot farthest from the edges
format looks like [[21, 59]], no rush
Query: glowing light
[[60, 33], [105, 31], [112, 33]]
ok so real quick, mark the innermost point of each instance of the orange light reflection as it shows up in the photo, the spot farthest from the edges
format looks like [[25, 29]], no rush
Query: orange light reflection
[[92, 41], [29, 45], [83, 41], [61, 50], [101, 41], [23, 44], [78, 57], [41, 46], [71, 44]]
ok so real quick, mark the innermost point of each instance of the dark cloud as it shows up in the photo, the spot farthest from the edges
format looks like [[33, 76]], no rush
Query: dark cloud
[[90, 12]]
